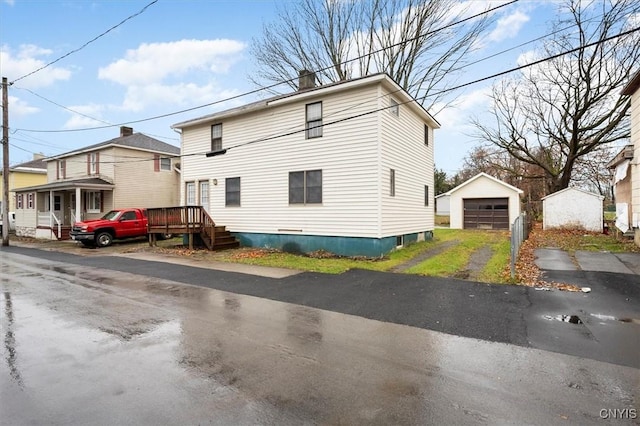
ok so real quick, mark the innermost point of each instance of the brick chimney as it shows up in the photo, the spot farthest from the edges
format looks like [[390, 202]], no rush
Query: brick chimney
[[306, 80], [126, 131]]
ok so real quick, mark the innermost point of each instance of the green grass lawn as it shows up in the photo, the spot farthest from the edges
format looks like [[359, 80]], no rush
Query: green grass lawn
[[445, 264]]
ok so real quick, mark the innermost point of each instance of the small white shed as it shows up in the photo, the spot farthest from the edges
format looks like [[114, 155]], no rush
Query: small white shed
[[573, 208], [484, 202], [442, 204]]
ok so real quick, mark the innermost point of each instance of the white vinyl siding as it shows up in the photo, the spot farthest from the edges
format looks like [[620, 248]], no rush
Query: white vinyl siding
[[635, 164], [403, 150], [355, 155], [347, 154]]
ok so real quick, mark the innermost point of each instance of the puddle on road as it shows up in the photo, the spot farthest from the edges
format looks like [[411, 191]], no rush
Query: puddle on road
[[612, 318], [573, 319]]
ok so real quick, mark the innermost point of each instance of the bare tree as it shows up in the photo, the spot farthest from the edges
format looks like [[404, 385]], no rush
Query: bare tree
[[343, 39], [555, 114]]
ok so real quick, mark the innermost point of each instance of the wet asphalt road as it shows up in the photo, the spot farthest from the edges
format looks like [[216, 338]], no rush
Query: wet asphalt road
[[106, 340]]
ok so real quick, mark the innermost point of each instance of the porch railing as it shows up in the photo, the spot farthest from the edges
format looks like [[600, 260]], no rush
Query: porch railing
[[50, 219]]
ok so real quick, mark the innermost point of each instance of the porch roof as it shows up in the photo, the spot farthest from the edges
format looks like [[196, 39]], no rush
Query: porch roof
[[89, 183]]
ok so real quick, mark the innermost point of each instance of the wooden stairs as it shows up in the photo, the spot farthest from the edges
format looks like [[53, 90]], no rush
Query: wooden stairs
[[195, 222]]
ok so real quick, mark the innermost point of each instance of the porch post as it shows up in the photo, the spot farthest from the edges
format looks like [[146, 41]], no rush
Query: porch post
[[78, 204], [51, 209]]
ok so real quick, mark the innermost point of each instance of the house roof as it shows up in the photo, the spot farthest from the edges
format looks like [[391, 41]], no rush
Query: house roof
[[86, 183], [137, 141], [33, 166], [315, 91], [625, 153], [484, 175], [632, 85], [573, 189]]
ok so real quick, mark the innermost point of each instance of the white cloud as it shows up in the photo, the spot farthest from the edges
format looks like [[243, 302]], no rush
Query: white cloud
[[508, 26], [154, 62], [457, 115], [27, 59], [138, 98], [78, 121], [20, 108]]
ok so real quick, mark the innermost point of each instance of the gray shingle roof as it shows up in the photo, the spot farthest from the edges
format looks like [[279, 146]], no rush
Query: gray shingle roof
[[33, 164], [135, 141]]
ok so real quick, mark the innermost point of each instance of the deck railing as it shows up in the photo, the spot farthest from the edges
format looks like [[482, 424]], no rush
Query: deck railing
[[182, 220]]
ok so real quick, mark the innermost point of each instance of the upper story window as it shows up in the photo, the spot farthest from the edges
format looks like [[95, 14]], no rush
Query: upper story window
[[313, 120], [93, 163], [216, 137], [426, 135], [165, 164], [394, 108], [61, 169]]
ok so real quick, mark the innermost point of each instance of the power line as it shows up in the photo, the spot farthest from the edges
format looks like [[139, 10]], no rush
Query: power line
[[87, 43], [269, 87], [300, 130]]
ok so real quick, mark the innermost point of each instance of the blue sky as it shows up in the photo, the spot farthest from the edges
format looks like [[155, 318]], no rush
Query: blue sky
[[180, 54]]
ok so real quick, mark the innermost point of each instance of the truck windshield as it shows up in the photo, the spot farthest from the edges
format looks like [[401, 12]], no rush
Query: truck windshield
[[112, 215]]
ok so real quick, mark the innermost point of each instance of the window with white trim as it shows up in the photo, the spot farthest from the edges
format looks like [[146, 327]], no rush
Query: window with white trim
[[93, 163], [94, 202], [314, 120], [62, 165], [30, 200], [190, 194], [165, 163], [216, 137], [19, 201]]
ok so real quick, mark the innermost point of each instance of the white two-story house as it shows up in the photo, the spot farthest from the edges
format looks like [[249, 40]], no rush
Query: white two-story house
[[632, 89], [132, 170], [346, 167]]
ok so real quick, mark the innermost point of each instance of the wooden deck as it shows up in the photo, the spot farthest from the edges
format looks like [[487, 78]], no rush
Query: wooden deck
[[191, 221]]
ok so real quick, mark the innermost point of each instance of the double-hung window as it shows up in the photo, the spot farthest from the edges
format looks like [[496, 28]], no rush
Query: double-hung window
[[62, 169], [426, 195], [426, 135], [232, 191], [94, 165], [314, 120], [30, 200], [94, 202], [305, 187], [165, 163], [216, 137]]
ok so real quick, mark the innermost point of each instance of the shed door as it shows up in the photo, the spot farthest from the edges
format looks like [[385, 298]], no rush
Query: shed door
[[486, 213]]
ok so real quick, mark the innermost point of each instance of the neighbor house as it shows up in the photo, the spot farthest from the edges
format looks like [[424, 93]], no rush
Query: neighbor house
[[633, 89], [132, 170], [573, 208], [483, 202], [32, 172], [346, 167], [622, 191]]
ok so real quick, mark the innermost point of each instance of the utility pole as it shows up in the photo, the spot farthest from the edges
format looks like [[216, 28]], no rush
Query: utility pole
[[5, 162]]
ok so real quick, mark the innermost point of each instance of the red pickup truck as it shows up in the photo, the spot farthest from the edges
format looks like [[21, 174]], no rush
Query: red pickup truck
[[117, 224]]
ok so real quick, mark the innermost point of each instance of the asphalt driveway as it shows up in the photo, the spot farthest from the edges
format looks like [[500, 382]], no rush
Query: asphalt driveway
[[609, 316]]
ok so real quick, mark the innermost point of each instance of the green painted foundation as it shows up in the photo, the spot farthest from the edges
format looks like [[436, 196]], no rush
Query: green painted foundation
[[343, 246]]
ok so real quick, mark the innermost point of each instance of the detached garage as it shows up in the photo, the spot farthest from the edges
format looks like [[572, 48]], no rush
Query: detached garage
[[484, 202], [573, 208]]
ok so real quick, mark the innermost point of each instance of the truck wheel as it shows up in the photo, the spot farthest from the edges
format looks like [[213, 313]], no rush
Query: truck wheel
[[104, 239]]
